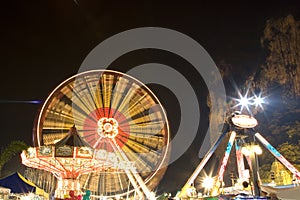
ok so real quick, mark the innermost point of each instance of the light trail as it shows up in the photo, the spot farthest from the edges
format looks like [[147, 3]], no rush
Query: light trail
[[20, 102]]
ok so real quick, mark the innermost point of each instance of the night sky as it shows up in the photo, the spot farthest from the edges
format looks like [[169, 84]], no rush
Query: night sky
[[45, 42]]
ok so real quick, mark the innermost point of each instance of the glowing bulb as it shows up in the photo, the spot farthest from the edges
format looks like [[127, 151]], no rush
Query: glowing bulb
[[208, 182], [258, 101], [244, 101], [246, 151], [257, 149]]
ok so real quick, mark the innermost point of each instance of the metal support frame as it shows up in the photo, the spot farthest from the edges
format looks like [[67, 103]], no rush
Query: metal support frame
[[277, 155], [133, 175], [240, 161], [203, 162], [226, 156], [239, 158]]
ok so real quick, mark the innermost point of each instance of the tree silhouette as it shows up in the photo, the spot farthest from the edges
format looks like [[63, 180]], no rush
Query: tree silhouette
[[10, 151], [281, 40], [279, 77]]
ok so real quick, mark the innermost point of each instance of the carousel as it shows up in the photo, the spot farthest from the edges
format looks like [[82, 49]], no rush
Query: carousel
[[102, 131]]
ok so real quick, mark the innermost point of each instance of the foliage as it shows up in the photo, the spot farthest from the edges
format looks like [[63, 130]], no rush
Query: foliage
[[11, 150], [282, 176], [282, 41], [293, 133], [291, 152], [264, 172], [279, 76]]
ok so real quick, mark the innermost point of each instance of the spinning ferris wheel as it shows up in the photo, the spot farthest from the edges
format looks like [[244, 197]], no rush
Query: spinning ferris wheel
[[117, 114]]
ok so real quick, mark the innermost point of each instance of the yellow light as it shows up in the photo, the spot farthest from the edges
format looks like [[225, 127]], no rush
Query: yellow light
[[208, 182], [248, 150]]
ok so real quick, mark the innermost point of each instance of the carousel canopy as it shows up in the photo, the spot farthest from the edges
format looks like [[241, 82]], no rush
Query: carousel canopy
[[19, 184], [70, 157], [72, 139]]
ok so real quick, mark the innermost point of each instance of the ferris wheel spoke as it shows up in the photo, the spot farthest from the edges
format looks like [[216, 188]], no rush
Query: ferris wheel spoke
[[154, 143], [131, 156], [146, 136], [53, 130], [78, 111], [143, 120], [107, 83], [145, 116], [63, 112], [121, 88], [92, 95], [81, 104], [88, 134], [78, 101], [129, 96], [135, 157], [149, 131], [140, 146], [115, 96], [142, 106]]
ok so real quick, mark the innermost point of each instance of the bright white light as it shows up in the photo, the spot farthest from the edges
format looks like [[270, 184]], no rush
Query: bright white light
[[258, 101], [246, 151], [243, 102], [208, 182], [257, 149]]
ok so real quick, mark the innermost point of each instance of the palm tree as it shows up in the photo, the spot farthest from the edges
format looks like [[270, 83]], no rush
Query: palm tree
[[10, 151]]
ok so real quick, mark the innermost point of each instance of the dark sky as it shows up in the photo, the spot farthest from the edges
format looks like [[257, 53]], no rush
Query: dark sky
[[44, 42]]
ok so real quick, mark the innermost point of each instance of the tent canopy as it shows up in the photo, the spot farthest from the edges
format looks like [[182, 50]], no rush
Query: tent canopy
[[19, 184]]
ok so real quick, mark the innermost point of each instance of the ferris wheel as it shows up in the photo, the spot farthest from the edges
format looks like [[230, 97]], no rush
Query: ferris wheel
[[117, 114]]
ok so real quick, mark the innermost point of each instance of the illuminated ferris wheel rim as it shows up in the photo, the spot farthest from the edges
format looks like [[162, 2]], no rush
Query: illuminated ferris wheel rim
[[162, 158]]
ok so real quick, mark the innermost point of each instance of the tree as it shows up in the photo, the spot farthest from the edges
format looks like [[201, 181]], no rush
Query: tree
[[281, 39], [291, 152], [281, 175], [279, 78], [294, 132], [11, 150]]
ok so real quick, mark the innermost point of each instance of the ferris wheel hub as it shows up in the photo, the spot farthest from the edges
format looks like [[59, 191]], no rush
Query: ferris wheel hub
[[108, 127]]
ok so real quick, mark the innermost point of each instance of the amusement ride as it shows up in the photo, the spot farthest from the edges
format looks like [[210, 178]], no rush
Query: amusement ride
[[244, 138], [106, 132], [102, 131]]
